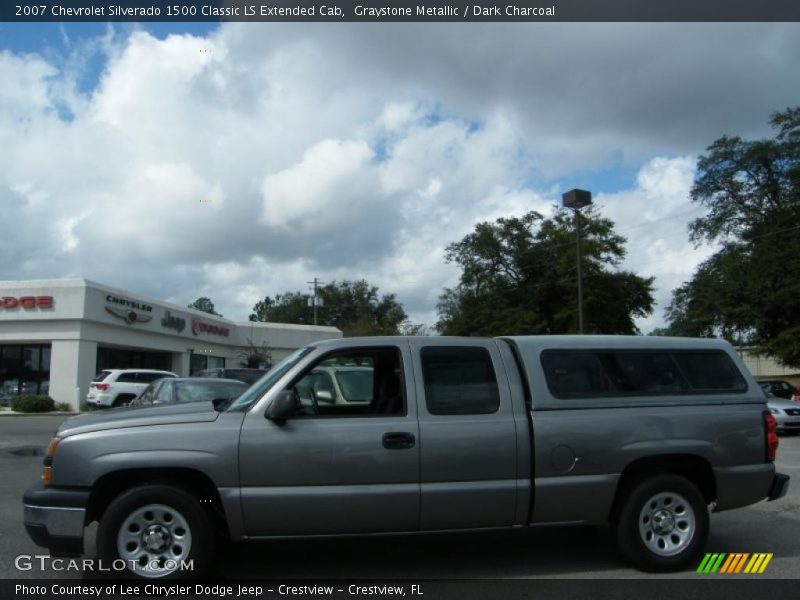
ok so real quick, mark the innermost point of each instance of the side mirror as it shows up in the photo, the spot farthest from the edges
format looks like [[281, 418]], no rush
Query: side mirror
[[283, 406], [324, 396], [220, 404]]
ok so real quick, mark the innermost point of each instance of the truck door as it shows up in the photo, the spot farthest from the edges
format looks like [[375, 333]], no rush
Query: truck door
[[467, 435], [349, 463]]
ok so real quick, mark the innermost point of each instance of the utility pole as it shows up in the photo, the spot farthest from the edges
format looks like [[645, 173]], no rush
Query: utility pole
[[576, 200], [315, 301]]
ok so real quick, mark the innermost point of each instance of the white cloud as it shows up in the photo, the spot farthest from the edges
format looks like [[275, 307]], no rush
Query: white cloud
[[246, 162], [317, 191], [653, 217]]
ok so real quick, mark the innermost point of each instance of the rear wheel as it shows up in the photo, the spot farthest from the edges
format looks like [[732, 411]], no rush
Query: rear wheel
[[153, 531], [662, 523], [123, 400]]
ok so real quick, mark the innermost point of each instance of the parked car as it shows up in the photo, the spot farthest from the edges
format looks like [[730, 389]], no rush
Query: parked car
[[457, 434], [786, 414], [782, 389], [248, 376], [118, 387], [171, 390]]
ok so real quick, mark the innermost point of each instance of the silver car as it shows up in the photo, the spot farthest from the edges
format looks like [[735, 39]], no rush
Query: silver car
[[786, 413]]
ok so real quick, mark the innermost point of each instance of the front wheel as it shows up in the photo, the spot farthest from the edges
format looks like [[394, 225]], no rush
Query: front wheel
[[156, 531], [662, 524]]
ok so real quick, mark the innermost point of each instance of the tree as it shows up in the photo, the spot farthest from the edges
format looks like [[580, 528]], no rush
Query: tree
[[749, 291], [519, 277], [290, 307], [205, 305], [256, 356], [355, 307]]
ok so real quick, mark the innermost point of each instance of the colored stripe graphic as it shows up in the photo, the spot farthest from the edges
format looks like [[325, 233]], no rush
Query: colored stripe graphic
[[728, 564], [733, 563], [758, 563], [741, 562], [711, 563]]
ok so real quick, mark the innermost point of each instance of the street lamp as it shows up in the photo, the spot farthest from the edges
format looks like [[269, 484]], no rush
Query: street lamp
[[576, 200]]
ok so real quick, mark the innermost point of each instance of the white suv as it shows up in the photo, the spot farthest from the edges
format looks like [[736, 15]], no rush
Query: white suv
[[117, 387]]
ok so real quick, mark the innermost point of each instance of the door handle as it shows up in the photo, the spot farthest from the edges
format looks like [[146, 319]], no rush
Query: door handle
[[398, 440]]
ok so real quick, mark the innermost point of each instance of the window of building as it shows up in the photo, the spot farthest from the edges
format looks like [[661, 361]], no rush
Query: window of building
[[201, 362], [24, 369], [120, 358]]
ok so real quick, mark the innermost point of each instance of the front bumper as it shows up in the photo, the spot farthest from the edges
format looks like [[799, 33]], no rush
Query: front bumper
[[54, 518]]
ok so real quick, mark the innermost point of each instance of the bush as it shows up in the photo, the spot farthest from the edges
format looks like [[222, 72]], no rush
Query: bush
[[63, 407], [32, 404]]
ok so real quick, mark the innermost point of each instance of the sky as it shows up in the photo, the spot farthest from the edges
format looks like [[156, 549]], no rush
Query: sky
[[242, 160]]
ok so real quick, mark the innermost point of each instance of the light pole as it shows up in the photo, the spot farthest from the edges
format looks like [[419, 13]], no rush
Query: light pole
[[576, 200]]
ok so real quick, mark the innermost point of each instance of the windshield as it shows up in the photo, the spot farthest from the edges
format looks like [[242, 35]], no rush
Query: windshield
[[207, 391], [246, 400]]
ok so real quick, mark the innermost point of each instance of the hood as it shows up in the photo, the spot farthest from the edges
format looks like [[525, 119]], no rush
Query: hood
[[117, 418]]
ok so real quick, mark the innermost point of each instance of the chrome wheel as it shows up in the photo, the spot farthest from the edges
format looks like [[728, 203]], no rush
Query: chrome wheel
[[153, 540], [667, 524]]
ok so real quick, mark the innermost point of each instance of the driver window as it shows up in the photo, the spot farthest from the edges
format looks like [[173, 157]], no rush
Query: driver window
[[353, 383], [164, 393]]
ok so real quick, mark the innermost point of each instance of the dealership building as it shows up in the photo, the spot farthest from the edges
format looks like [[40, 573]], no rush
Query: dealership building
[[56, 335]]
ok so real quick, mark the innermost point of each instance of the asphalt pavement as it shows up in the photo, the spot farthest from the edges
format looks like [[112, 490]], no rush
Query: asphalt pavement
[[543, 553]]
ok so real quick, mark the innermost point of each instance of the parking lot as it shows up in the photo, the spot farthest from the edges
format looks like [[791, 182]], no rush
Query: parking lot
[[549, 553]]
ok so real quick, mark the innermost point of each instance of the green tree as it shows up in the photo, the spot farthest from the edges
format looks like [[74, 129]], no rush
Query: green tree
[[749, 291], [205, 305], [355, 307], [519, 277], [290, 307]]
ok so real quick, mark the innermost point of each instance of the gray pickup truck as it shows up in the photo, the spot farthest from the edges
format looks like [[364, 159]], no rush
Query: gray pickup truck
[[643, 433]]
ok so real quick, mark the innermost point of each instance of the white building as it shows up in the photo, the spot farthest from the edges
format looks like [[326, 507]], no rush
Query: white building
[[56, 335]]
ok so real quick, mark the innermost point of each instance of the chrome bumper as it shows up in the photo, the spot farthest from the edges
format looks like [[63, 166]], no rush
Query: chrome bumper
[[56, 521]]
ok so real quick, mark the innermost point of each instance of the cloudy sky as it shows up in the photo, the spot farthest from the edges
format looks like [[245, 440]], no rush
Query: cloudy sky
[[243, 160]]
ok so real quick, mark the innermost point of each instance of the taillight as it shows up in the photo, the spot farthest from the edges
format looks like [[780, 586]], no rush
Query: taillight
[[102, 386], [770, 435], [796, 396]]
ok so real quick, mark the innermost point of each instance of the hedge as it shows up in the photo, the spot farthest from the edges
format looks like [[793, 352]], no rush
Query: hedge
[[28, 403]]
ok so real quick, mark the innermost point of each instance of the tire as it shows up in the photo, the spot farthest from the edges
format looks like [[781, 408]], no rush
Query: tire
[[149, 526], [662, 523], [123, 400]]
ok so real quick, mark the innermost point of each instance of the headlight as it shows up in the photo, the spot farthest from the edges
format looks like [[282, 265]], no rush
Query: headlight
[[774, 411], [47, 471]]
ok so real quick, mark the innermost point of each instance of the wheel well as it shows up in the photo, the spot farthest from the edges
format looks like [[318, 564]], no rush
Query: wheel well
[[694, 468], [111, 485]]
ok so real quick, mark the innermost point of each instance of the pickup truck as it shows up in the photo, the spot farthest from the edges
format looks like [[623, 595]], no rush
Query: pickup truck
[[646, 434]]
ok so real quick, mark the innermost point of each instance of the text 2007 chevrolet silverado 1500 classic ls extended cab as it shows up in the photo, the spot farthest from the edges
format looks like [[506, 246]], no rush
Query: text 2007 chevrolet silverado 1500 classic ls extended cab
[[643, 433]]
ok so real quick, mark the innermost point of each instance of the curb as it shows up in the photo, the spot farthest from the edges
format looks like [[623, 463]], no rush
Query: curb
[[10, 413]]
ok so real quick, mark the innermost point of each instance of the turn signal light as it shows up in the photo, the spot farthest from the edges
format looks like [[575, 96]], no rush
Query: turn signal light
[[47, 471]]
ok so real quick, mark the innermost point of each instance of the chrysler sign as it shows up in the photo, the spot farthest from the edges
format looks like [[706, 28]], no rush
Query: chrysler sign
[[129, 311]]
